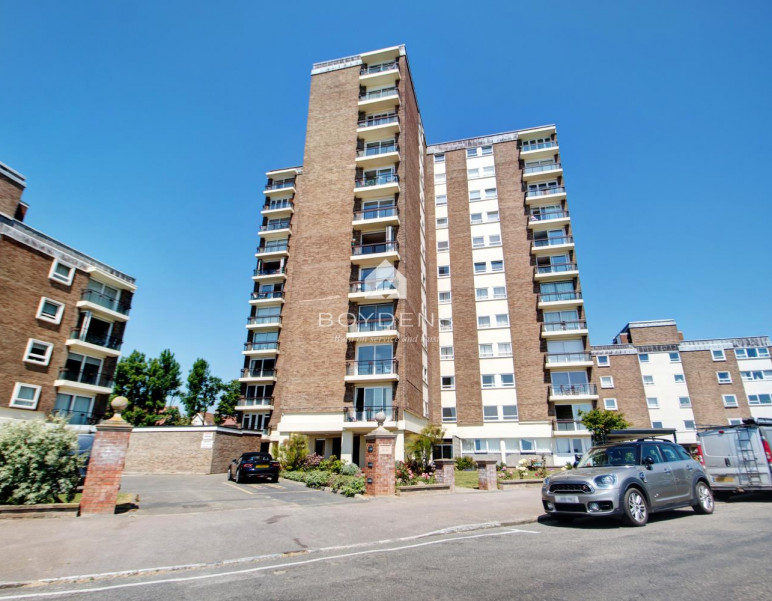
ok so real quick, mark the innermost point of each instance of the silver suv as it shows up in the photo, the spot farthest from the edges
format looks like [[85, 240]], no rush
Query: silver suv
[[630, 480]]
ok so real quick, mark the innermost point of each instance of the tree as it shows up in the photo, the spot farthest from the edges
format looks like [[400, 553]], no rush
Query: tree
[[229, 398], [293, 452], [202, 391], [600, 422], [419, 448], [148, 384], [39, 462]]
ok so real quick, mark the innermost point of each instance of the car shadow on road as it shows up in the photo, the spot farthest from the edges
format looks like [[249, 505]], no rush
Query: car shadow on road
[[611, 523], [749, 497]]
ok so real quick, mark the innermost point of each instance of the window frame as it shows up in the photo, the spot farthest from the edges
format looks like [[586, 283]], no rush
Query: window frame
[[676, 359], [721, 356], [610, 380], [610, 404], [650, 405], [49, 346], [486, 411], [684, 405], [451, 386], [443, 275], [15, 396], [57, 319], [59, 278], [725, 397], [449, 418], [726, 379], [606, 363]]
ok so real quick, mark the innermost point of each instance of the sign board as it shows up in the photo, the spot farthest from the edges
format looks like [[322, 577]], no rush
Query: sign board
[[385, 449], [207, 440]]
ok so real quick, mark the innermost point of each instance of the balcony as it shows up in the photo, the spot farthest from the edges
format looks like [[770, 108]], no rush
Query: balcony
[[268, 348], [379, 75], [378, 127], [276, 273], [564, 329], [381, 156], [541, 150], [374, 288], [375, 218], [532, 172], [278, 208], [549, 245], [95, 345], [280, 186], [570, 298], [573, 392], [257, 322], [79, 418], [548, 219], [365, 418], [370, 371], [570, 426], [258, 375], [266, 298], [375, 100], [279, 249], [276, 229], [103, 305], [383, 328], [264, 403], [362, 254], [85, 380], [564, 360], [559, 271], [545, 195], [375, 186]]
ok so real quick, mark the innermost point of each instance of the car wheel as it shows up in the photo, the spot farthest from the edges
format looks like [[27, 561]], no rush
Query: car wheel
[[636, 508], [274, 478], [230, 475], [704, 497], [239, 477]]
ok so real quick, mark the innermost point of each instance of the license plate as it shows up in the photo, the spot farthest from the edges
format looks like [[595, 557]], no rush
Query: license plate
[[261, 466], [566, 498], [723, 478]]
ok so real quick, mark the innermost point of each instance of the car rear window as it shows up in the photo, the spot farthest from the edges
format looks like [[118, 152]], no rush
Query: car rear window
[[256, 457]]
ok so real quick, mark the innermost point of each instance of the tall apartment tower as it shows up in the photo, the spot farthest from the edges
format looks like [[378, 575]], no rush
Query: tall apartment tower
[[436, 284], [62, 318]]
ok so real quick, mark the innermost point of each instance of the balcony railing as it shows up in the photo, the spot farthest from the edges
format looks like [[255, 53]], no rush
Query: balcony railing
[[540, 168], [542, 242], [376, 324], [279, 204], [564, 326], [280, 185], [557, 268], [272, 248], [103, 300], [256, 320], [271, 345], [351, 414], [378, 180], [378, 213], [86, 376], [382, 68], [539, 146], [266, 295], [384, 93], [277, 225], [569, 425], [258, 373], [376, 121], [256, 401], [111, 342], [375, 151], [274, 271], [573, 390], [373, 285], [568, 357], [547, 216], [371, 249], [371, 368], [79, 418], [545, 191], [553, 297]]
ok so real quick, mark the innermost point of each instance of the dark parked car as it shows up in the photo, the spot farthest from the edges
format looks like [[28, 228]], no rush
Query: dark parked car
[[254, 465]]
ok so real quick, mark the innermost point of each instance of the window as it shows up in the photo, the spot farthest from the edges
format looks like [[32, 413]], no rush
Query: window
[[502, 320], [527, 446], [497, 265], [448, 414], [446, 352], [730, 400], [446, 325], [472, 173], [507, 380], [439, 178], [652, 402], [442, 222], [476, 218], [603, 360], [443, 271], [444, 298], [735, 421], [38, 352], [487, 150], [643, 357], [478, 241], [439, 157], [750, 376], [490, 414], [718, 355], [759, 399], [61, 272], [492, 216], [684, 401], [50, 310], [724, 377], [490, 193], [488, 380], [474, 195], [504, 349], [606, 382], [509, 413], [483, 321], [648, 380], [656, 424], [443, 246], [489, 171], [751, 353], [471, 153], [481, 293], [440, 200], [448, 382], [486, 350], [25, 396], [480, 267], [499, 292], [675, 357], [494, 240], [679, 378], [610, 404], [689, 424]]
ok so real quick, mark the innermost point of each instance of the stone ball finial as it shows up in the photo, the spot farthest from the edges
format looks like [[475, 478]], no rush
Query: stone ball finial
[[380, 417], [119, 403]]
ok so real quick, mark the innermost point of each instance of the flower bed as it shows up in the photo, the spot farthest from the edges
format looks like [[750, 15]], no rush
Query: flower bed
[[405, 476]]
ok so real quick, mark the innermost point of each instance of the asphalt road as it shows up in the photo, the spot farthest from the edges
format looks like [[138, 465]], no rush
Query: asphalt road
[[678, 555]]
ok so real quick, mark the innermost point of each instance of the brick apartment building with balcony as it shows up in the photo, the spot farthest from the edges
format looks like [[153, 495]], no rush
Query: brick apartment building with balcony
[[62, 317]]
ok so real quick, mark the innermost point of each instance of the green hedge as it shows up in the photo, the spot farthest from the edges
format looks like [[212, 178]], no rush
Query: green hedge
[[345, 485]]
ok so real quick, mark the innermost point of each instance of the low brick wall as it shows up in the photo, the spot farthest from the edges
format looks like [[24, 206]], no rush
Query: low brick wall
[[187, 450]]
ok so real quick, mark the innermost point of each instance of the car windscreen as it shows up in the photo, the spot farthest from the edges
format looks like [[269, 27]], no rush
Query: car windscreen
[[257, 457], [619, 455]]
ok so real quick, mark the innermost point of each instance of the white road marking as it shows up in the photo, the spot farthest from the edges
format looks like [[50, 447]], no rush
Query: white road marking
[[265, 568]]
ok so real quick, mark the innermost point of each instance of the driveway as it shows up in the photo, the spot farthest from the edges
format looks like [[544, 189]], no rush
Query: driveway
[[186, 493]]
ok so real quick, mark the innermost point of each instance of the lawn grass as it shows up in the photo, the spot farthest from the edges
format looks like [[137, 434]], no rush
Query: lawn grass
[[466, 479]]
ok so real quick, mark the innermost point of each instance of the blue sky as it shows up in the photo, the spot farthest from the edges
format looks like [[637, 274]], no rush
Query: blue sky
[[145, 130]]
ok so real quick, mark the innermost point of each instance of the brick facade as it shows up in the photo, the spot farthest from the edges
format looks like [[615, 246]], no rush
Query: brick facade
[[486, 474], [705, 391], [379, 464], [105, 468], [10, 195], [628, 389]]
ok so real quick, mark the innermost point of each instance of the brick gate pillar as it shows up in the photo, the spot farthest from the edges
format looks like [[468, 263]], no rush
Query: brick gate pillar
[[486, 474], [105, 467], [379, 460], [445, 472]]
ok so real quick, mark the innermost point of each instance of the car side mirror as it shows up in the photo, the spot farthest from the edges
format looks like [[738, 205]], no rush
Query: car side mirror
[[648, 462], [576, 464]]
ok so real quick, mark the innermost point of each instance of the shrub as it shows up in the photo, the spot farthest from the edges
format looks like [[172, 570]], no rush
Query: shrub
[[317, 478], [38, 462], [350, 469], [465, 463], [297, 476], [293, 452], [312, 461], [355, 486], [332, 464]]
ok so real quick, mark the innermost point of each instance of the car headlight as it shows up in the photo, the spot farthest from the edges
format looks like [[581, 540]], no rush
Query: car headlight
[[605, 481]]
